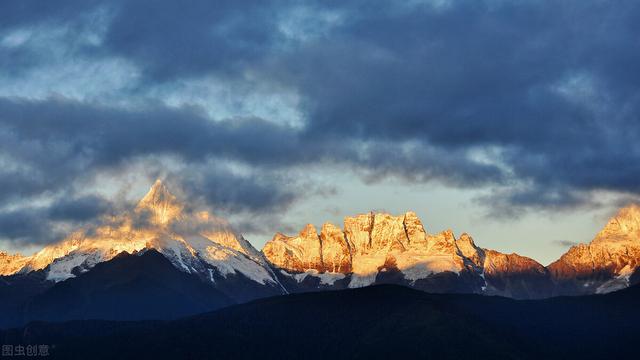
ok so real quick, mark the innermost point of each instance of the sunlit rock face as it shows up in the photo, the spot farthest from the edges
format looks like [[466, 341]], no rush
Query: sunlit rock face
[[195, 242], [607, 263], [470, 251], [358, 230], [387, 239], [296, 253], [336, 255], [163, 206], [416, 234], [382, 248], [388, 233], [308, 251]]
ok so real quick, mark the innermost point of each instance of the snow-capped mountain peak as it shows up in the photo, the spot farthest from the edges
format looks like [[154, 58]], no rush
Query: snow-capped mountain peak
[[162, 204], [625, 225], [608, 261], [195, 242]]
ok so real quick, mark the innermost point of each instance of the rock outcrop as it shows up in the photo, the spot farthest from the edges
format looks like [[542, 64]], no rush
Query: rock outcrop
[[296, 253], [358, 231], [336, 254], [327, 252]]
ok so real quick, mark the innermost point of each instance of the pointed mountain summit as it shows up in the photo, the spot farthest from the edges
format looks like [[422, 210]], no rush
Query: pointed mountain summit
[[624, 226], [607, 263], [197, 243], [162, 204]]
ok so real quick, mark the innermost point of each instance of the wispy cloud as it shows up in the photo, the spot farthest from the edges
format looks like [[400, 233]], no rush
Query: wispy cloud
[[565, 243]]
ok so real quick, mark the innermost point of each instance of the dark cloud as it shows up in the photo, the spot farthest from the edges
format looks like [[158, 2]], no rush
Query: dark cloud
[[46, 223], [57, 141], [169, 39], [530, 78], [79, 209], [535, 100], [24, 224], [20, 14], [66, 138], [234, 192]]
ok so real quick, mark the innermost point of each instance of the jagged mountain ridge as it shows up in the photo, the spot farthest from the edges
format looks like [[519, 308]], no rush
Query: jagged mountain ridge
[[381, 248]]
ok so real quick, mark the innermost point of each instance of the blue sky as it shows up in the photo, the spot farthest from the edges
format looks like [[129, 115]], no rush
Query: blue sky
[[515, 121]]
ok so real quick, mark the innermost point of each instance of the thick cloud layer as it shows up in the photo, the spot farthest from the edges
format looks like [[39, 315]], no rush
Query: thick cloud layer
[[534, 101]]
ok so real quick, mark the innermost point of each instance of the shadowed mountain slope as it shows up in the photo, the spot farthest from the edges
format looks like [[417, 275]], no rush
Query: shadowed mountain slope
[[129, 287], [378, 322]]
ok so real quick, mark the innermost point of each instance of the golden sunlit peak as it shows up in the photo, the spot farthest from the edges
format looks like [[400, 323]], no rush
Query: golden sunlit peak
[[161, 203]]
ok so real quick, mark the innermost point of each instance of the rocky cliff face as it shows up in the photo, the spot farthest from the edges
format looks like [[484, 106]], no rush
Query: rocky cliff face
[[296, 253], [382, 248], [336, 253], [607, 263]]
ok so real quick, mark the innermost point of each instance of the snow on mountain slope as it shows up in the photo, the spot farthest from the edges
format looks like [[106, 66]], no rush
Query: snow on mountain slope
[[195, 242]]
